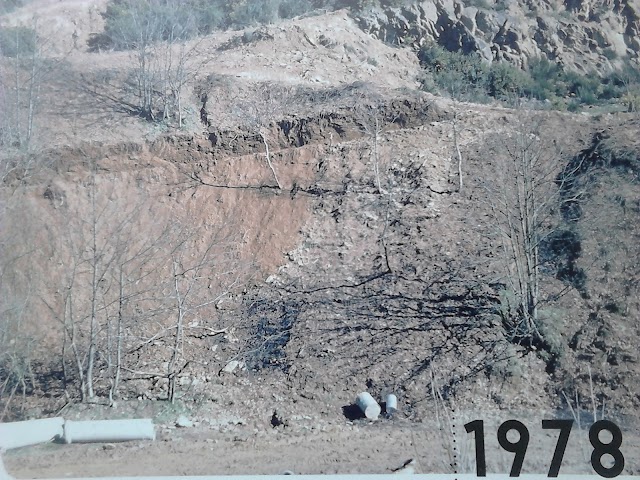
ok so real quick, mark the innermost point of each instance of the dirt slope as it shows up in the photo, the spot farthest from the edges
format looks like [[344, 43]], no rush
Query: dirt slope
[[369, 269]]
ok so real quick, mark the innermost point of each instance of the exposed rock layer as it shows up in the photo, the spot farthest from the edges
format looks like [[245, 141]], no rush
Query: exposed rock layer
[[581, 34]]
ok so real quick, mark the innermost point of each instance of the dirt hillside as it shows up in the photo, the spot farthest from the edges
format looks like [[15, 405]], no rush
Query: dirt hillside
[[317, 227]]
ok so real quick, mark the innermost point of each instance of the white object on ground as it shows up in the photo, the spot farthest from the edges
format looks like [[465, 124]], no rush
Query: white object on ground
[[109, 430], [232, 366], [30, 432], [368, 405], [391, 403], [183, 422]]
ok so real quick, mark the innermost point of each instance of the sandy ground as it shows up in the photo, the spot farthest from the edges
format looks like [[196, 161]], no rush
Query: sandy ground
[[326, 447]]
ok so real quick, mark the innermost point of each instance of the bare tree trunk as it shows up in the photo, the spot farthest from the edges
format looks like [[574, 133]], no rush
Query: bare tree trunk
[[115, 365], [172, 372], [93, 321], [376, 164], [120, 333], [370, 117], [72, 329], [457, 148], [33, 95], [17, 84], [266, 146], [109, 355]]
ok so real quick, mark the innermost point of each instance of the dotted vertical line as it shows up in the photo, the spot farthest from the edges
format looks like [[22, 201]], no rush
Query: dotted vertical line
[[455, 444]]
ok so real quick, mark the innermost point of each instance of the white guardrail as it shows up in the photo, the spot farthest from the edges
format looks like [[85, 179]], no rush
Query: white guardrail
[[33, 432]]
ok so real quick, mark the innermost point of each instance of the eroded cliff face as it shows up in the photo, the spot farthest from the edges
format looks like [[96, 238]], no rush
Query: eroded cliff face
[[584, 35]]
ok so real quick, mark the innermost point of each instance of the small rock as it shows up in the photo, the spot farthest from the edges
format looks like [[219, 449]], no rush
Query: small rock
[[108, 446], [232, 366], [183, 422]]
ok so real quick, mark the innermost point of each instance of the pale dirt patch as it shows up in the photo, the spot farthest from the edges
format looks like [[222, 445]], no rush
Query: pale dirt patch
[[57, 20]]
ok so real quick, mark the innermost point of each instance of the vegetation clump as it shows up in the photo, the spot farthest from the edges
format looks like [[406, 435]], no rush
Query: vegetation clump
[[189, 18], [469, 77]]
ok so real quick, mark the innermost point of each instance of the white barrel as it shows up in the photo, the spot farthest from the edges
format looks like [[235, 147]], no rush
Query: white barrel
[[368, 405], [30, 432], [391, 403], [109, 430]]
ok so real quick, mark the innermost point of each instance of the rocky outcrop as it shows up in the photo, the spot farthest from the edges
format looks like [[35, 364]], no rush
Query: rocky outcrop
[[584, 35]]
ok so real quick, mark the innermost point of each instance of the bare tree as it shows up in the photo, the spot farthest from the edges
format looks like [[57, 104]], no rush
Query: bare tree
[[17, 341], [258, 109], [141, 33], [103, 262], [157, 34], [136, 268], [179, 65], [527, 187], [371, 116], [459, 89], [373, 127], [19, 335], [21, 85], [198, 282]]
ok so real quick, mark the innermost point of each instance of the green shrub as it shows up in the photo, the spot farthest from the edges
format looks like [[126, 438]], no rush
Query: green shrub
[[551, 82], [459, 75], [507, 81], [587, 96], [625, 78], [550, 323], [358, 5], [17, 41], [210, 16], [573, 106], [610, 91], [130, 22], [254, 12], [294, 8], [576, 83], [467, 77], [545, 76]]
